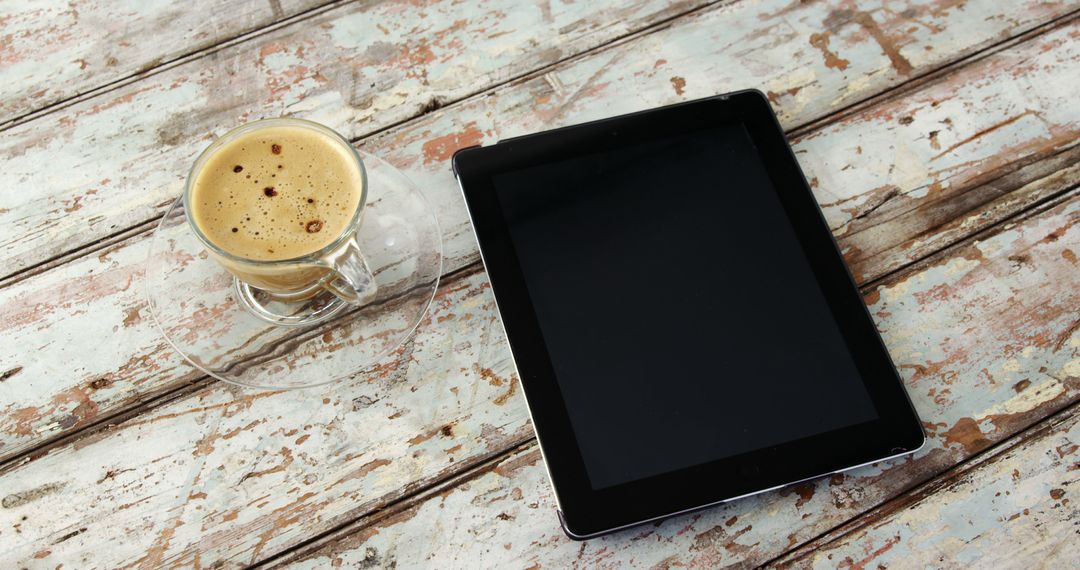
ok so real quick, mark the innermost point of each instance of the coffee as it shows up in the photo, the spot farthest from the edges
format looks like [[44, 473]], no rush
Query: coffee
[[277, 203], [276, 193]]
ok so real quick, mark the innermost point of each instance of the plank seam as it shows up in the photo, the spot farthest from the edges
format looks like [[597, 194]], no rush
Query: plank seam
[[107, 422], [196, 384], [404, 503], [433, 104], [80, 252], [163, 66], [134, 232], [413, 497], [933, 75], [1030, 210], [348, 527], [932, 484], [453, 479], [152, 402], [168, 394], [436, 103], [991, 177]]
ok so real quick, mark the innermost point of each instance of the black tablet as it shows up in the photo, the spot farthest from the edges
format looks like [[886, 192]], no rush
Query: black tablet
[[684, 327]]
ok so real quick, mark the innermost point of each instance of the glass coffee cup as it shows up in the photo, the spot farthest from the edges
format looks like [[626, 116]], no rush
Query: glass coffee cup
[[278, 204], [366, 251]]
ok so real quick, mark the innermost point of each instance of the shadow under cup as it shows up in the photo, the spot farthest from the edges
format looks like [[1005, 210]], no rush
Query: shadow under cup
[[303, 290]]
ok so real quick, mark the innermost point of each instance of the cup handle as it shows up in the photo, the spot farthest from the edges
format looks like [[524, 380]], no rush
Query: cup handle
[[352, 279]]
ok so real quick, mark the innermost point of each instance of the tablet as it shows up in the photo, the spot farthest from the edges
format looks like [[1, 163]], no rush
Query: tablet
[[683, 325]]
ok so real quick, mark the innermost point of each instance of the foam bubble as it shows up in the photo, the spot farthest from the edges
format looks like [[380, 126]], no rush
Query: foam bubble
[[331, 193]]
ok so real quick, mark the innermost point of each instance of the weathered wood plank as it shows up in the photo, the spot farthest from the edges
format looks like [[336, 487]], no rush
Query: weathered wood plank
[[1016, 509], [39, 409], [371, 484], [76, 304], [238, 479], [272, 468], [116, 160], [935, 224], [942, 132], [985, 336], [123, 154], [53, 50], [970, 102]]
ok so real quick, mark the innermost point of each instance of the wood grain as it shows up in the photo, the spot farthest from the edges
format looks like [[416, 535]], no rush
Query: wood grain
[[1004, 511], [346, 476], [507, 42], [934, 224], [985, 335], [941, 131], [270, 468], [223, 474], [52, 50], [67, 309], [123, 155], [118, 159]]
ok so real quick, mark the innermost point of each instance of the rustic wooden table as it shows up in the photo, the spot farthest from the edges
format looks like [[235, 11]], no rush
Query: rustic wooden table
[[940, 137]]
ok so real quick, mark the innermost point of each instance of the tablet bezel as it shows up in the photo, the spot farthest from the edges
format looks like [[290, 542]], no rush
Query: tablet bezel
[[586, 512]]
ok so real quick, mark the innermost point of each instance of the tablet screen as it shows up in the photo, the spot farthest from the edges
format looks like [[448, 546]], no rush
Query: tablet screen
[[681, 316]]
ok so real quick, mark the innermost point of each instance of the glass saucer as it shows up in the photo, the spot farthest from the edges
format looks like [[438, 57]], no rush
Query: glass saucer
[[195, 304]]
